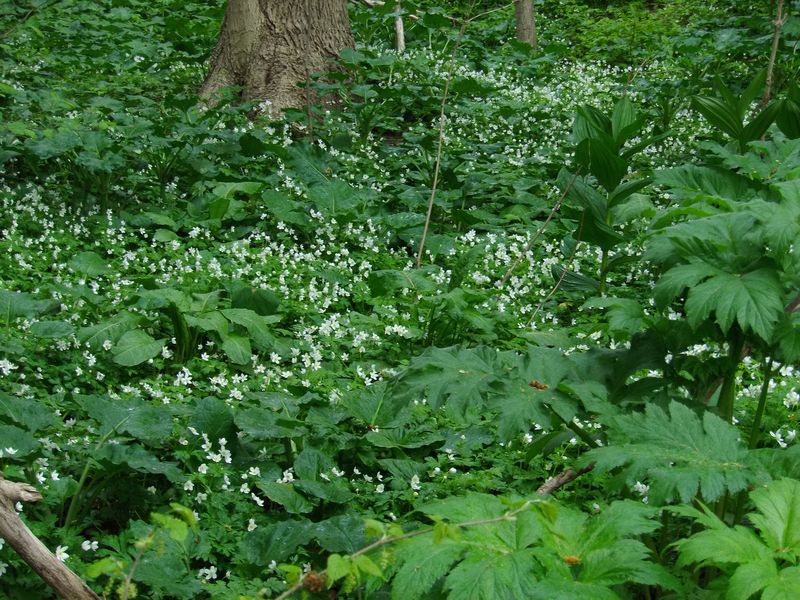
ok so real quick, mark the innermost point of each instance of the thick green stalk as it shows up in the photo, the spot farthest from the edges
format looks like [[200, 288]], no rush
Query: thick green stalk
[[755, 429], [727, 394]]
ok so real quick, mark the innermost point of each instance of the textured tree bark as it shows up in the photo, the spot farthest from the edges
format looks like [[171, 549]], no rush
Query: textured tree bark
[[526, 22], [55, 573], [269, 46]]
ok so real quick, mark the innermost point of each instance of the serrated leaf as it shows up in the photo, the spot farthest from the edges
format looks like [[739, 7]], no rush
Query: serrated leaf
[[778, 516], [753, 300], [492, 577], [678, 454], [422, 564]]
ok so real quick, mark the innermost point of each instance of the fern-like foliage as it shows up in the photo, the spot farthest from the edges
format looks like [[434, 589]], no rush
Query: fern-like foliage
[[678, 453], [766, 561]]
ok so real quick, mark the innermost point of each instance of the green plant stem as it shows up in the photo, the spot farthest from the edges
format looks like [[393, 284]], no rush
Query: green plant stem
[[755, 429], [603, 270], [74, 503], [509, 516], [727, 394]]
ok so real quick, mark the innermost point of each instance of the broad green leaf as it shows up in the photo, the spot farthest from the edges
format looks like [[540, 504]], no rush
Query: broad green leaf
[[28, 412], [720, 115], [89, 263], [751, 577], [237, 348], [625, 316], [492, 577], [285, 495], [344, 533], [51, 329], [138, 459], [338, 567], [21, 304], [136, 347], [624, 121], [229, 189], [111, 330], [275, 542], [16, 443], [255, 324]]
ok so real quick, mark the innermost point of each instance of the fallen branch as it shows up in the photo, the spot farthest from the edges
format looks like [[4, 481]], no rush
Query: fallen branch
[[54, 572], [552, 484]]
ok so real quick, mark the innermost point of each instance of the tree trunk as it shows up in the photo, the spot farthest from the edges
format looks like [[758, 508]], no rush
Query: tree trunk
[[526, 22], [268, 47], [55, 573]]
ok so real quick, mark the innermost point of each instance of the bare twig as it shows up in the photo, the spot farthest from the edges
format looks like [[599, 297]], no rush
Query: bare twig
[[539, 231], [54, 572], [440, 143]]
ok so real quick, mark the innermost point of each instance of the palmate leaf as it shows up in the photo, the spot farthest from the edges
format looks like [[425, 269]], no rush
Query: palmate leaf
[[423, 564], [678, 454], [492, 577], [753, 300], [458, 378], [758, 558]]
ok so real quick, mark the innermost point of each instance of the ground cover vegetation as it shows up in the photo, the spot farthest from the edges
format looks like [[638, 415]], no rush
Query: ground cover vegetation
[[231, 372]]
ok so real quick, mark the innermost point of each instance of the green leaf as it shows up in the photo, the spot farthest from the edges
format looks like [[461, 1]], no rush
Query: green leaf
[[28, 412], [255, 324], [20, 442], [284, 494], [237, 348], [89, 263], [275, 542], [110, 330], [677, 454], [344, 533], [229, 189], [492, 577], [365, 565], [758, 126], [51, 329], [422, 564], [753, 300], [674, 281], [624, 122], [338, 567], [778, 516], [20, 304], [136, 347], [720, 115]]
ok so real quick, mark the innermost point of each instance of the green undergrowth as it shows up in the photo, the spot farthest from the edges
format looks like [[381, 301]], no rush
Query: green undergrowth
[[229, 379]]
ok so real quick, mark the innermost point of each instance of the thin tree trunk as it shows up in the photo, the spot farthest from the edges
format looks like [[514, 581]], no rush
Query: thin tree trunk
[[399, 30], [526, 22], [780, 20], [268, 46], [55, 573]]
